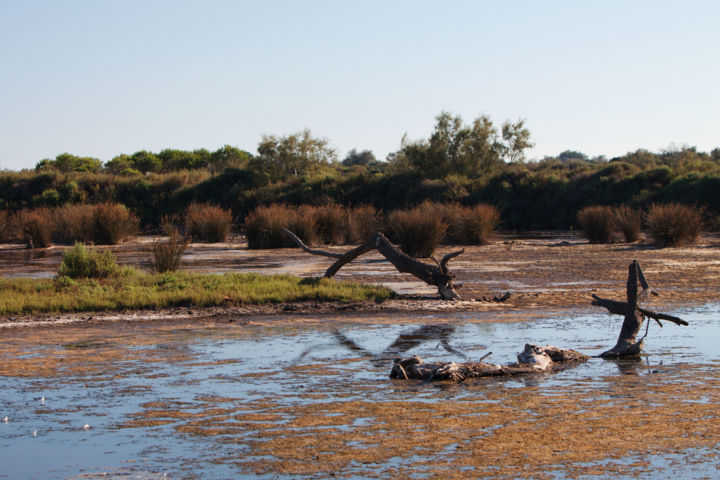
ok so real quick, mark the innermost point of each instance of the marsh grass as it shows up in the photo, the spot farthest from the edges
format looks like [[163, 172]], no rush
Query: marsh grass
[[130, 289]]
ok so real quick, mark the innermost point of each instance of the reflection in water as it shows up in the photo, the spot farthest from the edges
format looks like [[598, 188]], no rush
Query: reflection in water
[[404, 342]]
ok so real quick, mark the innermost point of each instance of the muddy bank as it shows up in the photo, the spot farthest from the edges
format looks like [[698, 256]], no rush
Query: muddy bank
[[544, 272]]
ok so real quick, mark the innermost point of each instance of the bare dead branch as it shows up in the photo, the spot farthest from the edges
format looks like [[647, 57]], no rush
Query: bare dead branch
[[300, 244]]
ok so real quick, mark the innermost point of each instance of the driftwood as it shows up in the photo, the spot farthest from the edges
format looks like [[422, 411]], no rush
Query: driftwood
[[436, 275], [533, 359], [634, 314]]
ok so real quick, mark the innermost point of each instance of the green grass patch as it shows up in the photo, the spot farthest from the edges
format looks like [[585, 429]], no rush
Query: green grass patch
[[136, 290]]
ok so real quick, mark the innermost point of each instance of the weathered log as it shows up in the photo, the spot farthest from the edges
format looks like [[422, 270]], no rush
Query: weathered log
[[532, 360], [627, 344], [436, 275]]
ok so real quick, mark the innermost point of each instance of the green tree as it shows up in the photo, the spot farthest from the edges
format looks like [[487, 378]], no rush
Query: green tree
[[517, 140], [66, 162], [145, 161], [363, 158], [458, 149], [228, 157], [295, 154], [118, 164]]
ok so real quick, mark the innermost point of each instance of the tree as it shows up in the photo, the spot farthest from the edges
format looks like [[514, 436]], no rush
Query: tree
[[174, 160], [517, 139], [363, 158], [458, 149], [145, 161], [118, 164], [295, 154], [571, 155], [227, 157], [66, 162]]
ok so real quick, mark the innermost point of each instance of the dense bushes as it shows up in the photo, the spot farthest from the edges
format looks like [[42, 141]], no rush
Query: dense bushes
[[674, 224], [208, 222]]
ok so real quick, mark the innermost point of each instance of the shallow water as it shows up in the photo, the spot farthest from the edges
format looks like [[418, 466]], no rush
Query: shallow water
[[86, 403]]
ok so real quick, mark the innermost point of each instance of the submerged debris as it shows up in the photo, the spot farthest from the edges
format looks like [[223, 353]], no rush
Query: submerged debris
[[533, 359]]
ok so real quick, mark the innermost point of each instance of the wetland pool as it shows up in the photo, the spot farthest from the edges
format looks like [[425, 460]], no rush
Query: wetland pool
[[309, 397]]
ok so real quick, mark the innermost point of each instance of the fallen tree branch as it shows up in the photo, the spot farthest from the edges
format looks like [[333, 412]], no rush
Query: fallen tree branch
[[436, 275]]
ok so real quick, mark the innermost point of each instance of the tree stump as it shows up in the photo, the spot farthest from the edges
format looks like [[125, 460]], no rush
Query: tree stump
[[627, 345]]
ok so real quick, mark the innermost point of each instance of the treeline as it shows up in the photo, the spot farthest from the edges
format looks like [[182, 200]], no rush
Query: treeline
[[467, 164]]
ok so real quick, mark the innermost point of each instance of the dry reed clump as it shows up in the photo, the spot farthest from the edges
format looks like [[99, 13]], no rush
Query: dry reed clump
[[113, 223], [597, 223], [673, 224], [74, 223], [418, 230], [167, 254], [264, 227], [35, 227], [469, 225], [363, 222], [331, 223], [208, 222], [629, 222]]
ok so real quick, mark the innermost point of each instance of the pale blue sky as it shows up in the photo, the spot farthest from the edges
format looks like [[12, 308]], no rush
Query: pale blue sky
[[100, 78]]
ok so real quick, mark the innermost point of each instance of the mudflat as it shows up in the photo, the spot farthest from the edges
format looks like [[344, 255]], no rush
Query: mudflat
[[544, 272]]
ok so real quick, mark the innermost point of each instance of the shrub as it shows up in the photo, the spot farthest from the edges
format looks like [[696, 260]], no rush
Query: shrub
[[82, 262], [35, 227], [74, 223], [264, 226], [362, 222], [167, 253], [419, 230], [112, 223], [469, 225], [208, 222], [597, 222], [331, 223], [673, 224], [629, 222]]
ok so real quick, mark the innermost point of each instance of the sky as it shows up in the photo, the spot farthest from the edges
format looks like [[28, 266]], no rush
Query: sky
[[103, 77]]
